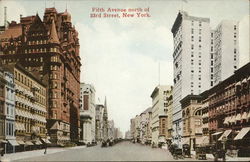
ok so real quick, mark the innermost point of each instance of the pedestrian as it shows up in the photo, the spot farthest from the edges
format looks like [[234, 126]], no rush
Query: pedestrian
[[45, 151]]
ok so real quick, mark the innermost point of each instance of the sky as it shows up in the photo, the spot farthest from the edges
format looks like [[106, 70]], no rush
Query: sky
[[126, 58]]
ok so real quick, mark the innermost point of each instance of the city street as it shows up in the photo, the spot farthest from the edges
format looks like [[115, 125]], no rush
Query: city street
[[124, 151]]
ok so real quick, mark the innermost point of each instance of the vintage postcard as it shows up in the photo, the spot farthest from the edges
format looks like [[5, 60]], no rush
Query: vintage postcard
[[124, 80]]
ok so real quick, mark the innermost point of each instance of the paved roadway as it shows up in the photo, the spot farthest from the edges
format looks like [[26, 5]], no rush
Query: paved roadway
[[124, 151]]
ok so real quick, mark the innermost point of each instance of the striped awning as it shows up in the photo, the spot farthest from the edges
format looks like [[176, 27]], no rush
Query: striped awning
[[226, 120], [238, 117], [21, 142], [217, 133], [28, 143], [13, 142], [38, 142], [238, 83], [46, 141], [244, 80], [242, 133], [225, 134], [244, 115]]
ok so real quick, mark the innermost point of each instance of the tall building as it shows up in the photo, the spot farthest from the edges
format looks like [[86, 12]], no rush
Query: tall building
[[87, 113], [202, 58], [226, 49], [111, 130], [127, 135], [132, 128], [51, 48], [99, 122], [191, 63], [244, 41], [158, 111], [169, 110]]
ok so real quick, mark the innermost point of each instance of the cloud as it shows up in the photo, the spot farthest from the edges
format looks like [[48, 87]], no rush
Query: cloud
[[118, 65], [11, 6]]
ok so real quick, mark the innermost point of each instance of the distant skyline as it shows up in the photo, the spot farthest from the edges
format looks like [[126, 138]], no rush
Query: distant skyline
[[120, 57]]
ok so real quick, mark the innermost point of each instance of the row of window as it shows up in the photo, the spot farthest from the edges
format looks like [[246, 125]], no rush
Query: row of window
[[37, 50]]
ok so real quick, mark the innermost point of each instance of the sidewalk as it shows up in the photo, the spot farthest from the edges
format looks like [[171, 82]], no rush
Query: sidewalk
[[34, 153], [210, 157]]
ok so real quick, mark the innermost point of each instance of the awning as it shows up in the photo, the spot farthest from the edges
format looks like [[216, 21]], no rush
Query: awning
[[232, 119], [46, 140], [238, 83], [238, 117], [185, 141], [225, 134], [202, 140], [21, 142], [248, 115], [244, 116], [244, 80], [38, 142], [13, 142], [217, 133], [28, 143], [226, 120], [3, 141], [242, 133]]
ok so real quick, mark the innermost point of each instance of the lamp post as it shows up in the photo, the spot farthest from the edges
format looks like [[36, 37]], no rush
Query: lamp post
[[46, 134]]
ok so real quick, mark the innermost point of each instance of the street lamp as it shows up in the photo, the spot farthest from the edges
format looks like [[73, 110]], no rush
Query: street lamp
[[46, 135]]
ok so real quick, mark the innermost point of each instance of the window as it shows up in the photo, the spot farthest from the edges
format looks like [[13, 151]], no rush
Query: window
[[212, 63], [192, 38], [199, 38], [211, 83], [192, 46], [199, 31], [235, 51], [234, 35], [200, 23], [235, 27], [192, 31], [212, 69]]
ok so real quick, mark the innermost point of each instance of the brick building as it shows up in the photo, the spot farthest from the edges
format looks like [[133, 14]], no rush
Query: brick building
[[51, 48], [229, 111]]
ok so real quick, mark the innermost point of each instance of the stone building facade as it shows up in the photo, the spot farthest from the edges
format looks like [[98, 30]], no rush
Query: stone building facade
[[99, 122], [30, 108], [191, 119], [87, 113], [9, 114], [51, 48]]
